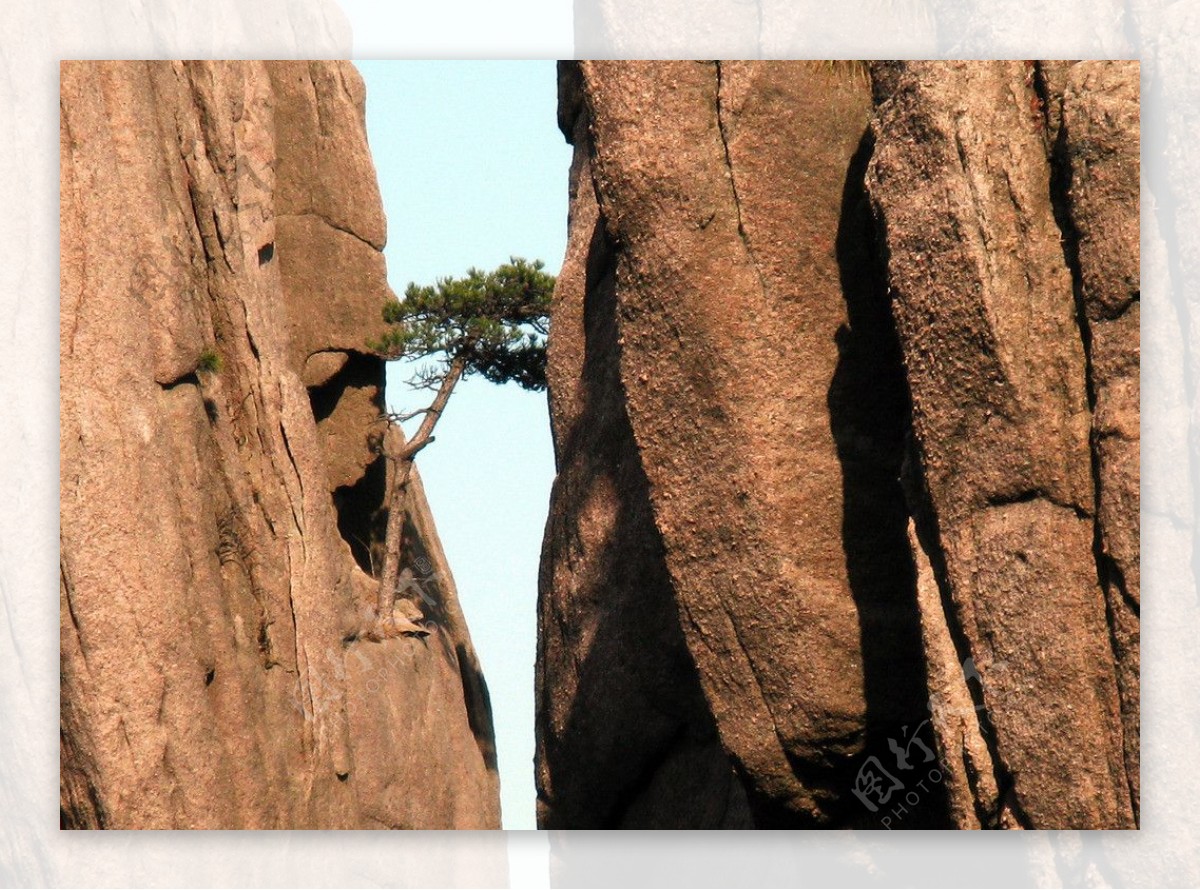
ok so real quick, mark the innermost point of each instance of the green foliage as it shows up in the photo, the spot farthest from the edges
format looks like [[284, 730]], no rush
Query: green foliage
[[210, 362], [495, 322]]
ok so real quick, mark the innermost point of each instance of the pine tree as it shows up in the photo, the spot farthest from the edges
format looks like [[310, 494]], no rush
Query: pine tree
[[489, 323]]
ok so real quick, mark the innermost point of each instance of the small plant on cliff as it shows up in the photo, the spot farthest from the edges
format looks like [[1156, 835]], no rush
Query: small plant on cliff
[[489, 323], [210, 362]]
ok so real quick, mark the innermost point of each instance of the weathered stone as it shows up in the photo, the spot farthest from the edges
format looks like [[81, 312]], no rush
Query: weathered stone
[[624, 736], [210, 673], [972, 792], [320, 366], [1098, 155], [764, 396], [984, 307], [333, 276], [760, 382], [325, 168]]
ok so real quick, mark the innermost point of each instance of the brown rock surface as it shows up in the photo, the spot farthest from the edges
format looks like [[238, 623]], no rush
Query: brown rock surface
[[1098, 155], [747, 357], [616, 689], [984, 306], [727, 299], [221, 273]]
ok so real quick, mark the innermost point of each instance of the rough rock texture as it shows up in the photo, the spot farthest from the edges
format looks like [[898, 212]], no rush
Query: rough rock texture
[[759, 545], [221, 497], [616, 687], [1098, 187], [728, 253], [1004, 371]]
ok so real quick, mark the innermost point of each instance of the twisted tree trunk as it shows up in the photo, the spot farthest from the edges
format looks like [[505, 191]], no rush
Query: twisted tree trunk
[[386, 622]]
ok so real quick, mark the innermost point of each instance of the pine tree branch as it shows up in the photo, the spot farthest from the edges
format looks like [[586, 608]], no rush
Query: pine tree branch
[[434, 412]]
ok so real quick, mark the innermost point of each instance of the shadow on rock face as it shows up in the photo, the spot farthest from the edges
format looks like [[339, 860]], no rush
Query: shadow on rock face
[[638, 747], [869, 418]]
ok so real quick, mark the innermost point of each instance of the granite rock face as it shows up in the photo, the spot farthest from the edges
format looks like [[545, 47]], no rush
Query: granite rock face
[[221, 492], [625, 738], [843, 377], [1013, 246]]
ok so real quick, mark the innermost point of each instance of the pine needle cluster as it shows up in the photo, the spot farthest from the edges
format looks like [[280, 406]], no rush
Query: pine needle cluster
[[494, 322]]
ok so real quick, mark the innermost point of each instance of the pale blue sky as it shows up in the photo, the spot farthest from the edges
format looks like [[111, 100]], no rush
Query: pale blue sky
[[473, 169]]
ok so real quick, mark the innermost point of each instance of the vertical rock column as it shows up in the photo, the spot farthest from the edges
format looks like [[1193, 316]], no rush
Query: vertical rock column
[[723, 304], [625, 738], [1097, 156], [1005, 496]]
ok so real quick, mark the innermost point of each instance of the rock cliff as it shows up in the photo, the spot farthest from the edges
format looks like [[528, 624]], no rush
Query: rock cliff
[[843, 381], [222, 498]]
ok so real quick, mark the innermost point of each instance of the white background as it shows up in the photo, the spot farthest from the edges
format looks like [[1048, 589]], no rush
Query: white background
[[34, 35]]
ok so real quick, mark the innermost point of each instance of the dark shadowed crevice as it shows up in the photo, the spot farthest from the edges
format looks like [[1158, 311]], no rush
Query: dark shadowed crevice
[[361, 371], [362, 517], [869, 417], [1061, 176], [361, 513], [479, 706], [188, 379], [1041, 88], [1027, 495]]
